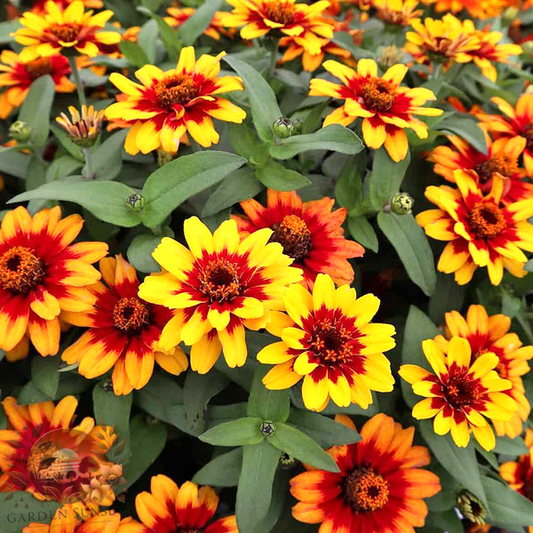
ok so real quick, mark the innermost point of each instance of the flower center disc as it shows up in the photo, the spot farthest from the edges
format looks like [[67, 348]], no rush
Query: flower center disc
[[38, 67], [279, 11], [219, 280], [505, 165], [21, 270], [487, 220], [294, 235], [66, 33], [175, 89], [378, 94], [366, 490], [461, 390], [331, 342], [131, 315]]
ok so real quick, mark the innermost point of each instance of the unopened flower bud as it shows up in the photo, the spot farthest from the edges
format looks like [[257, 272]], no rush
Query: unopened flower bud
[[20, 131], [527, 48], [286, 461], [390, 55], [298, 126], [267, 428], [509, 15], [400, 204], [136, 202], [471, 507], [164, 157], [283, 127], [83, 129]]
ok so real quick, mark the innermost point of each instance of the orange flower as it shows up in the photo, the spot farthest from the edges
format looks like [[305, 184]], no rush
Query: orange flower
[[17, 76], [476, 8], [178, 15], [69, 522], [309, 232], [397, 12], [380, 483]]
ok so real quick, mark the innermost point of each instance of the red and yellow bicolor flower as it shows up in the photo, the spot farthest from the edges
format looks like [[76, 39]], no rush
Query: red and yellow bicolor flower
[[381, 483], [310, 232], [56, 30], [68, 522], [516, 124], [167, 105], [491, 334], [17, 76], [218, 287], [481, 9], [168, 507], [460, 394], [328, 340], [385, 107], [39, 6], [502, 157], [42, 274], [481, 232], [123, 334]]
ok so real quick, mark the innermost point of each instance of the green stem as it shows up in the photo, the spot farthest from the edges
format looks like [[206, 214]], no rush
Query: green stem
[[77, 81], [273, 48], [436, 71], [89, 173]]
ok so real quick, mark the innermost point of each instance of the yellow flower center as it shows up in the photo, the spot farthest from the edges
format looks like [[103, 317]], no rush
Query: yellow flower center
[[486, 219], [461, 389], [279, 11], [378, 94], [21, 270], [528, 134], [219, 280], [67, 33], [131, 315], [176, 89], [294, 235], [366, 490], [38, 67], [331, 341], [502, 163]]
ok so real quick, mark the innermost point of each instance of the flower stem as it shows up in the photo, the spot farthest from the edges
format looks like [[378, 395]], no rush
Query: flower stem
[[89, 173], [77, 81], [436, 71]]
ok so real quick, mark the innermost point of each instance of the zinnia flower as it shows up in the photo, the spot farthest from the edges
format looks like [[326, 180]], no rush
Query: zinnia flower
[[82, 128], [482, 9], [218, 287], [39, 6], [502, 158], [44, 36], [517, 123], [168, 507], [380, 487], [170, 104], [41, 274], [178, 15], [386, 108], [327, 340], [519, 473], [460, 395], [309, 232], [17, 76], [71, 522], [491, 334], [481, 232], [124, 332], [397, 12]]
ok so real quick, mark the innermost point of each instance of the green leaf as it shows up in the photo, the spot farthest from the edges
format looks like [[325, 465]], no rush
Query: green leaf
[[169, 37], [507, 508], [61, 167], [140, 250], [461, 463], [31, 394], [363, 232], [134, 53], [529, 266], [239, 186], [418, 328], [106, 158], [271, 405], [106, 200], [325, 431], [195, 25], [349, 185], [172, 184], [467, 127], [36, 173], [412, 247], [386, 177], [44, 374], [513, 447], [198, 390], [112, 410], [72, 148], [304, 448], [222, 471], [254, 492], [265, 109], [447, 521], [276, 176], [14, 519], [447, 297], [246, 143], [6, 29], [334, 137], [235, 433], [13, 162], [37, 107]]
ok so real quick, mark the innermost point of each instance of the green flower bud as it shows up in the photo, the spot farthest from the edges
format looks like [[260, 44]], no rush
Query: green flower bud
[[136, 202], [390, 55], [267, 428], [20, 131], [509, 15], [298, 126], [286, 461], [164, 157], [283, 127], [400, 204], [471, 507]]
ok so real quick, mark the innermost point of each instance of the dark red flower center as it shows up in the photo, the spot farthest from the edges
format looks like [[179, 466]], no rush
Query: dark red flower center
[[220, 280], [528, 134], [175, 89], [21, 270], [378, 94], [486, 219], [67, 33], [461, 389], [39, 67], [131, 315], [294, 235], [279, 11], [366, 490], [504, 164], [331, 341]]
